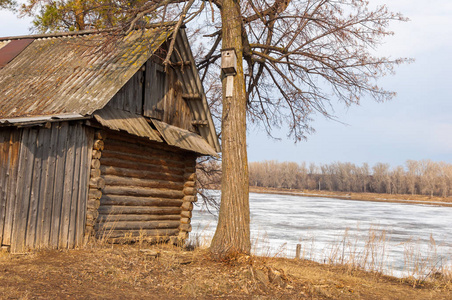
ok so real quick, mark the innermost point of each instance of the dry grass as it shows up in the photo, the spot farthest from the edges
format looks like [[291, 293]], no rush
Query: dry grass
[[143, 271]]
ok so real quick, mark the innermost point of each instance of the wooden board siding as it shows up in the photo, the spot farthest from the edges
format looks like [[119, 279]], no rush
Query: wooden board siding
[[144, 188], [51, 188], [163, 97], [9, 152], [155, 88], [130, 96]]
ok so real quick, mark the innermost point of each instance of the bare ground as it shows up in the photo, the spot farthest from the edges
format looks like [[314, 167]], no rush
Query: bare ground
[[166, 272]]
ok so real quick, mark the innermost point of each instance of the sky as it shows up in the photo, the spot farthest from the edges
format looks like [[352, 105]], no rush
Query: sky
[[416, 124]]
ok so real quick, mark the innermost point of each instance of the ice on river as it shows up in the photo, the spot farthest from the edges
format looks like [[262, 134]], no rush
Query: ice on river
[[391, 237]]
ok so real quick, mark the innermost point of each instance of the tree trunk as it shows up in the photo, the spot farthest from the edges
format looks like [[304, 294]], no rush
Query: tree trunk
[[232, 235]]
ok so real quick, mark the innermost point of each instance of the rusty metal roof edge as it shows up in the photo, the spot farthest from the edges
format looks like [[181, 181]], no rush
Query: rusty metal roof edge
[[81, 32], [42, 119]]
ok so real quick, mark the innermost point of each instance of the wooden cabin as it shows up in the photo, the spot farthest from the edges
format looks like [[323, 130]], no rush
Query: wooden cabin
[[98, 139]]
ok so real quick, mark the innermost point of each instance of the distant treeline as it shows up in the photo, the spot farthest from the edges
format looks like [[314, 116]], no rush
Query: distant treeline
[[423, 177]]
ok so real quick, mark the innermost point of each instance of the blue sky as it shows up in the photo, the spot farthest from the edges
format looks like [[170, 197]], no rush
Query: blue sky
[[417, 124]]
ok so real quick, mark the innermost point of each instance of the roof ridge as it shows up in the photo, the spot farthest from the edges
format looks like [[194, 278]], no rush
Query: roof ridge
[[81, 32]]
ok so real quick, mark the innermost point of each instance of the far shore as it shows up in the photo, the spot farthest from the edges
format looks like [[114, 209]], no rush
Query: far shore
[[396, 198]]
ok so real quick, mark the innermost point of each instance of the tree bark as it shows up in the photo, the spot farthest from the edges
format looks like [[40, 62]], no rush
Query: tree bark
[[232, 235]]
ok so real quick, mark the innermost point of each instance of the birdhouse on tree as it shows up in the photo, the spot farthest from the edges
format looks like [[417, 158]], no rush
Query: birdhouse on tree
[[229, 62]]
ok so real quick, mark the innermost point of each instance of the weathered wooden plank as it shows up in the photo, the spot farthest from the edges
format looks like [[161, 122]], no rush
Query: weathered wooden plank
[[5, 136], [169, 110], [35, 188], [139, 182], [136, 102], [23, 189], [59, 183], [78, 144], [13, 165], [129, 210], [108, 170], [138, 225], [87, 153], [147, 105], [109, 199], [47, 192], [141, 218], [155, 90], [67, 188], [142, 192]]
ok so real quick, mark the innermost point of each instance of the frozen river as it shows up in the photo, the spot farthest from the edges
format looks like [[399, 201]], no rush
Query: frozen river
[[398, 239]]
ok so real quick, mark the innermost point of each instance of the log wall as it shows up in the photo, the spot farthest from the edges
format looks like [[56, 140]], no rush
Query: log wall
[[146, 193], [46, 190]]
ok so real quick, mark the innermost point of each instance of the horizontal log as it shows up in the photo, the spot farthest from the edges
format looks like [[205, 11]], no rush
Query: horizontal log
[[183, 235], [90, 222], [137, 225], [150, 149], [190, 176], [129, 210], [94, 194], [190, 191], [121, 163], [142, 192], [186, 214], [97, 182], [188, 198], [89, 230], [127, 234], [189, 184], [141, 218], [100, 135], [150, 183], [95, 164], [97, 154], [92, 214], [95, 173], [109, 199], [185, 220], [98, 145], [108, 170], [187, 206], [93, 204], [185, 227], [144, 157]]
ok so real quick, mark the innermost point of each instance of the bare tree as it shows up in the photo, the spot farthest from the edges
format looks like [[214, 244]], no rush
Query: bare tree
[[293, 58]]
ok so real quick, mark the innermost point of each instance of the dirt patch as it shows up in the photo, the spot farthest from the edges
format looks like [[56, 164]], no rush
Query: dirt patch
[[164, 272]]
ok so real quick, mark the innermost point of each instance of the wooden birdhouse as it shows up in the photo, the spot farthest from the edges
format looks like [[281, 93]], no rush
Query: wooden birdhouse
[[229, 61]]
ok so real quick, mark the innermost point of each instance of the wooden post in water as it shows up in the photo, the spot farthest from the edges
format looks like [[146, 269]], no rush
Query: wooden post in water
[[298, 251]]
